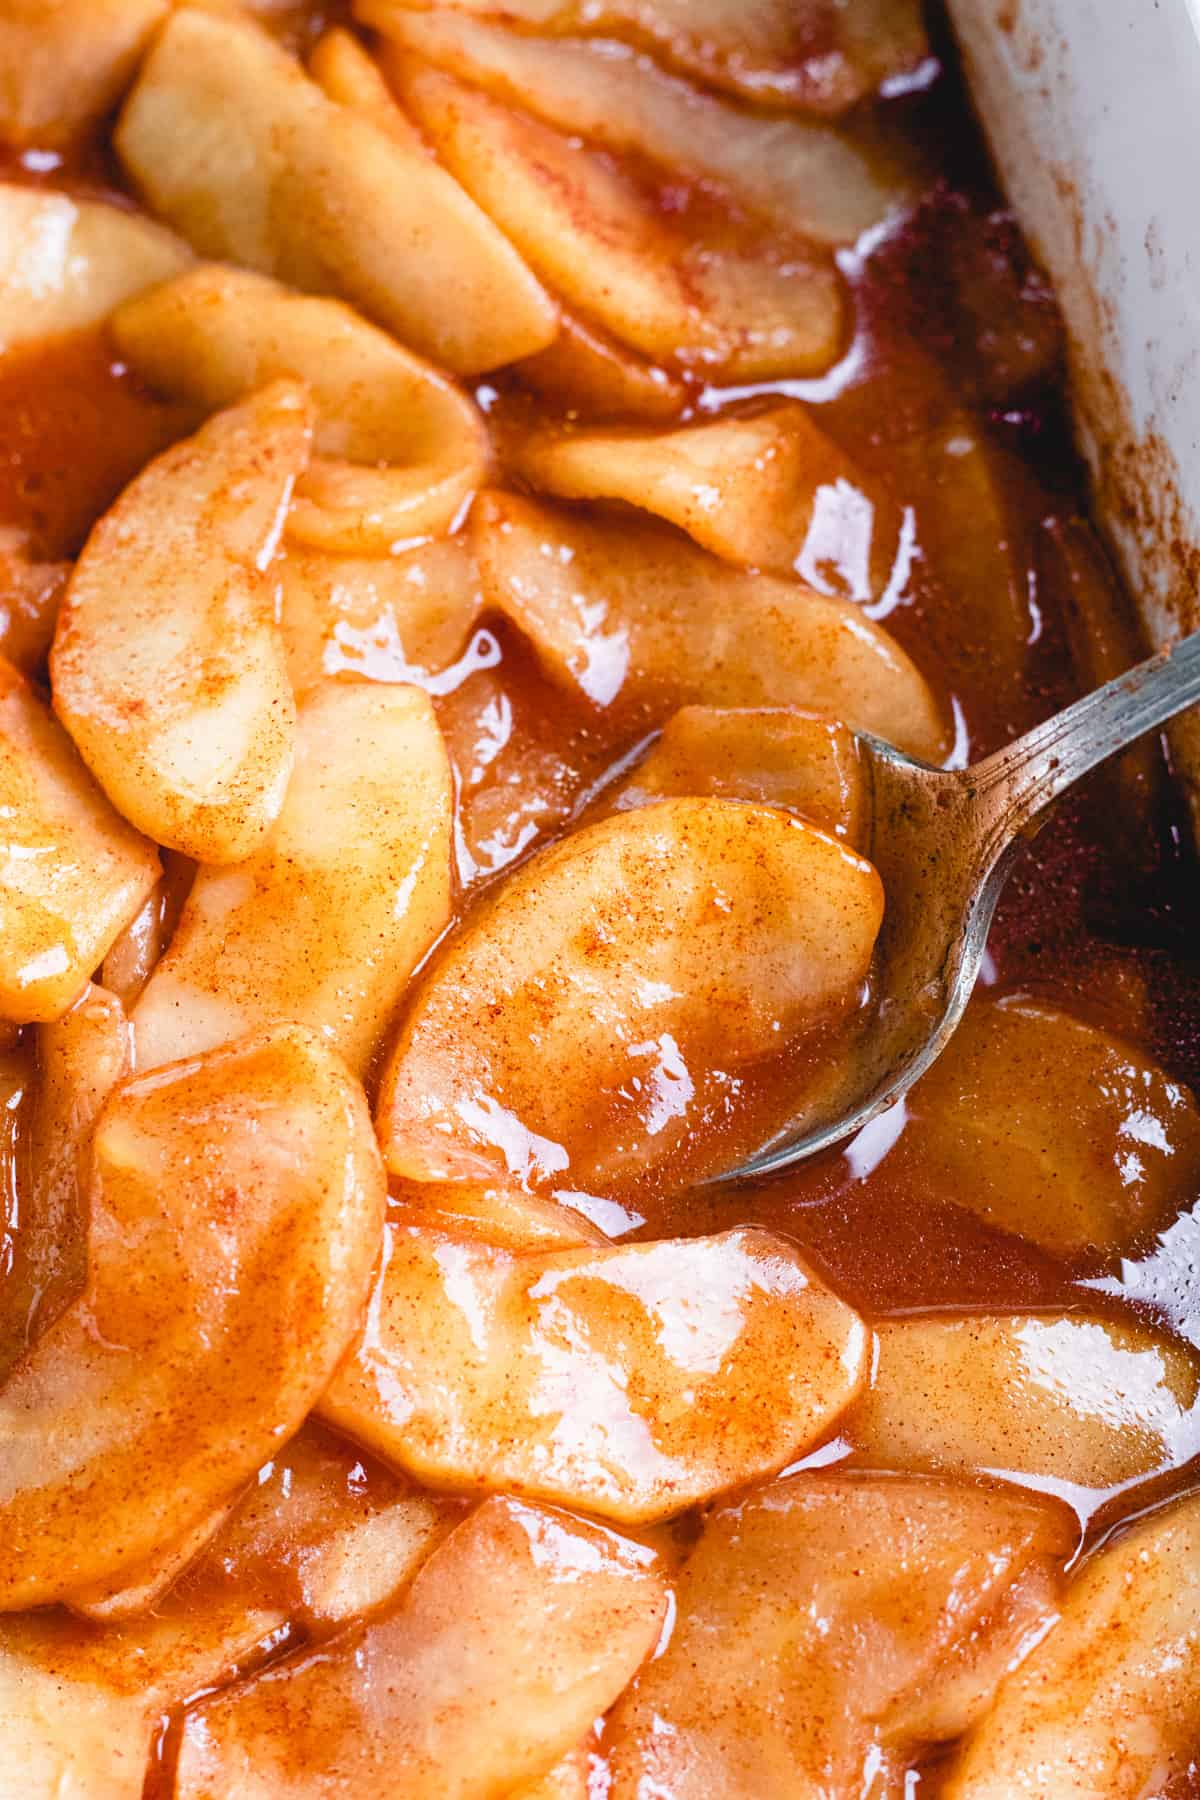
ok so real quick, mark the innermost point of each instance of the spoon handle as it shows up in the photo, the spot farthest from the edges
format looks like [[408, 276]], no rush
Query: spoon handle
[[1027, 775]]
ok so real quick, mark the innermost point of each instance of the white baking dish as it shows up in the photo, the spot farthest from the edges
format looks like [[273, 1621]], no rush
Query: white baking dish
[[1092, 109]]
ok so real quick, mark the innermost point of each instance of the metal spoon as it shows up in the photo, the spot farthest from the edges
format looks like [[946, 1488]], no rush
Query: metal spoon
[[944, 842]]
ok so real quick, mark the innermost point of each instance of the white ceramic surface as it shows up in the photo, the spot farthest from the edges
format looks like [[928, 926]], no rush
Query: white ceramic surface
[[1092, 108]]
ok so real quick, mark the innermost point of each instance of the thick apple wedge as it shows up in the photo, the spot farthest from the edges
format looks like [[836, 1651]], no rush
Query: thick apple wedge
[[595, 377], [168, 664], [1084, 1403], [236, 1205], [1108, 1705], [644, 958], [802, 179], [826, 1628], [64, 63], [387, 618], [787, 53], [64, 264], [615, 608], [737, 302], [775, 756], [316, 1541], [79, 1060], [397, 447], [1053, 1129], [230, 141], [764, 487], [135, 954], [74, 873], [519, 1630], [325, 924], [628, 1381]]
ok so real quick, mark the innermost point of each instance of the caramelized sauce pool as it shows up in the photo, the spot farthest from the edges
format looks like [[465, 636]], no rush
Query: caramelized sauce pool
[[950, 390]]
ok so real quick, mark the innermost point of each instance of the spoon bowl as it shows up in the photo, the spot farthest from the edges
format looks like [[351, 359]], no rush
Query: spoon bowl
[[943, 841]]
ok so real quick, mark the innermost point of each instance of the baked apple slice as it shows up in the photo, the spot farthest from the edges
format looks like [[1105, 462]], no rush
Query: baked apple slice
[[325, 924], [785, 53], [799, 178], [764, 487], [386, 618], [317, 1540], [235, 1210], [1108, 1705], [774, 756], [168, 664], [398, 448], [65, 263], [645, 959], [231, 142], [1090, 1404], [734, 301], [615, 609], [594, 377], [64, 63], [74, 872], [79, 1060], [627, 1381], [1053, 1129], [821, 1632], [521, 1628]]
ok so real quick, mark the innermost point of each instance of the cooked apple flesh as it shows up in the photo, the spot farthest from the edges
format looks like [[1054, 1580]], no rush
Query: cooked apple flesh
[[230, 141], [765, 487], [64, 63], [1053, 1129], [234, 1212], [620, 610], [325, 924], [397, 447], [65, 263], [628, 1382], [644, 957], [168, 666], [516, 1634], [785, 53], [737, 304], [775, 756], [817, 1621], [1084, 1402], [74, 873], [1108, 1704]]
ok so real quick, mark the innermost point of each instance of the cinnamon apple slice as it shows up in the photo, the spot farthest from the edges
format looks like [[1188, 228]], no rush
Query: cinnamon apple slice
[[829, 1626], [65, 263], [645, 959], [397, 447], [732, 300], [801, 178], [168, 666], [74, 873], [518, 1631], [325, 924], [64, 63], [764, 487], [617, 609], [1109, 1702], [774, 756], [1086, 1402], [629, 1382], [394, 618], [784, 53], [231, 142], [235, 1207]]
